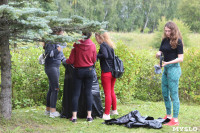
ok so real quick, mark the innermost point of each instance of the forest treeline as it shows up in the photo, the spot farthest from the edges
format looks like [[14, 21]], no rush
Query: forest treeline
[[129, 15]]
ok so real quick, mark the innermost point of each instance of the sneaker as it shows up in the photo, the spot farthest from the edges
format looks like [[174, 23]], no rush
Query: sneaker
[[47, 112], [167, 117], [74, 120], [106, 117], [90, 119], [114, 112], [172, 123], [54, 114]]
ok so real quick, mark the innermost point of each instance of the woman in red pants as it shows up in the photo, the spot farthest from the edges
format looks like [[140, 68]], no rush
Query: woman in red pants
[[105, 55]]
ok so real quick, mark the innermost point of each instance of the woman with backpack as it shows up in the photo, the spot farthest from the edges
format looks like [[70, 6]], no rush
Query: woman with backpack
[[172, 49], [106, 56], [54, 56]]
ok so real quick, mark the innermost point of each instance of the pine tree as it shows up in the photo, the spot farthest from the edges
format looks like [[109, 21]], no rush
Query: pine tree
[[22, 22]]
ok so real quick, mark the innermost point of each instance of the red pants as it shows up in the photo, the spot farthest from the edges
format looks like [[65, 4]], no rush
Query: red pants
[[108, 83]]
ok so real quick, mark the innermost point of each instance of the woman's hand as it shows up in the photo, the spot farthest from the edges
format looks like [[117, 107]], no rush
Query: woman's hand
[[164, 63], [158, 54]]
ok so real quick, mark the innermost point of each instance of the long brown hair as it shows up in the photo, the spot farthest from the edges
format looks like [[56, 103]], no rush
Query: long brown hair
[[175, 34], [106, 38]]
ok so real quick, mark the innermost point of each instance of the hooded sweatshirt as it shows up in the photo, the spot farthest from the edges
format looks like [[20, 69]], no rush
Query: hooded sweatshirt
[[83, 54]]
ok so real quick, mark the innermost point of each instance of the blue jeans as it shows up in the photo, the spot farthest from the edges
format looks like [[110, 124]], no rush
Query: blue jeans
[[170, 82], [82, 76]]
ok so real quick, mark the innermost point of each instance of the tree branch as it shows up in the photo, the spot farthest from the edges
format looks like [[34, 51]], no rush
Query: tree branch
[[26, 38]]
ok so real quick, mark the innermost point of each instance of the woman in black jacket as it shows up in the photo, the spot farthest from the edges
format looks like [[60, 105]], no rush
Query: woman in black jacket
[[106, 55]]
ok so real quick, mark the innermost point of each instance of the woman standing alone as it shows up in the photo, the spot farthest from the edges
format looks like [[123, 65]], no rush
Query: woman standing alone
[[172, 49]]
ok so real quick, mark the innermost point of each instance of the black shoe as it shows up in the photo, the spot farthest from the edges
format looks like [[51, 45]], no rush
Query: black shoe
[[89, 119], [74, 120]]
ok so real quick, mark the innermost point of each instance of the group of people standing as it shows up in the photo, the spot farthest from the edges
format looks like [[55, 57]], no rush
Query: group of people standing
[[83, 57]]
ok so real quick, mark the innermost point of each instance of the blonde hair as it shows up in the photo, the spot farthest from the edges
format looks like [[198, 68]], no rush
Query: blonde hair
[[175, 34], [106, 38]]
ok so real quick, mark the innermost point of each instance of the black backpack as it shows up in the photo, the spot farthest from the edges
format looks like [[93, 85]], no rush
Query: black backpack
[[118, 68]]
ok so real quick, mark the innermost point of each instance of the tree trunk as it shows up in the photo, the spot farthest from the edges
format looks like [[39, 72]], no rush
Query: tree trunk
[[106, 13], [147, 19], [3, 2], [6, 83]]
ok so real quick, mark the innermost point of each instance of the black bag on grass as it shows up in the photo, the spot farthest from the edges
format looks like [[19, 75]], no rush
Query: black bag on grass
[[66, 112]]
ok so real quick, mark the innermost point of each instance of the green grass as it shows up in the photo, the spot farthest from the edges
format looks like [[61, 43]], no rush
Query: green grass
[[144, 40], [134, 40], [194, 40], [33, 120]]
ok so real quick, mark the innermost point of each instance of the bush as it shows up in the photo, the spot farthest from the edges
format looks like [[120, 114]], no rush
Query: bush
[[184, 29], [139, 80], [190, 79], [30, 83]]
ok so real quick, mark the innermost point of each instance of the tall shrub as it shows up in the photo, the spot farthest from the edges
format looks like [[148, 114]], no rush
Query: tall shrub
[[190, 79], [30, 83]]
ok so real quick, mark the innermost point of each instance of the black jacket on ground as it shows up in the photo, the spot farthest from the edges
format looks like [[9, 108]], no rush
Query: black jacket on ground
[[134, 119]]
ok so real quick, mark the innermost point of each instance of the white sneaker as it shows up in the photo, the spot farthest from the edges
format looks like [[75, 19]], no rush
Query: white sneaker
[[47, 112], [114, 112], [106, 117], [54, 114]]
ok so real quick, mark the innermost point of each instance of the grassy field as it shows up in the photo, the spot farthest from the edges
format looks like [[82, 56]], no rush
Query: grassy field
[[134, 40], [33, 120], [144, 41]]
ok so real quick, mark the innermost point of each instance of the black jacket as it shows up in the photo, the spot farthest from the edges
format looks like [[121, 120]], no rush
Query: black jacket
[[134, 119], [106, 53]]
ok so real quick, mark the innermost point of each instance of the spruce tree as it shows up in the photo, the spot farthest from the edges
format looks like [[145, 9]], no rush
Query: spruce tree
[[23, 22]]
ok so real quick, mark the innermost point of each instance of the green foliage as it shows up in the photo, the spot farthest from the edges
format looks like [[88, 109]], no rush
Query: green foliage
[[126, 16], [30, 83], [33, 24], [184, 29], [190, 79], [189, 13], [139, 80]]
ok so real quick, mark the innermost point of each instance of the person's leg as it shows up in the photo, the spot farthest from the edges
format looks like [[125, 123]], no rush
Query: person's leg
[[174, 75], [114, 99], [53, 76], [88, 80], [47, 111], [48, 98], [165, 91], [106, 83], [76, 92], [54, 89]]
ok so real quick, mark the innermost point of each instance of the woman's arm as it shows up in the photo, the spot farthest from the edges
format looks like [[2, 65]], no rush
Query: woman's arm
[[71, 57], [103, 53], [177, 60]]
